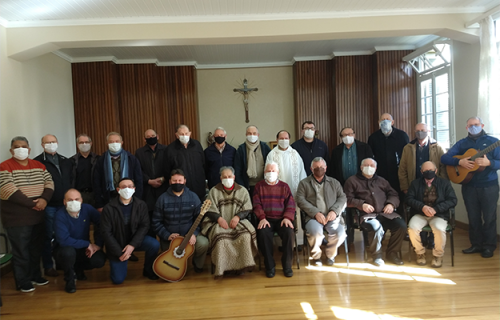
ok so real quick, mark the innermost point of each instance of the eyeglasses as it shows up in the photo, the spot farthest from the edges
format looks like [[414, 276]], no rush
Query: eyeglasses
[[348, 134]]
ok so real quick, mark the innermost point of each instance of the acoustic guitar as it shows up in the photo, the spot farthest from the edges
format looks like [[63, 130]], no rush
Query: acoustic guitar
[[459, 174], [171, 265]]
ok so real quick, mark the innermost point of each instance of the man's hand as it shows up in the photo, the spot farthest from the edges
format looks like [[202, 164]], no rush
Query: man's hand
[[466, 163], [127, 251], [428, 211], [91, 249], [368, 208], [331, 216], [287, 223], [172, 236], [388, 209], [222, 223], [155, 183], [192, 240], [483, 162], [263, 223], [320, 218], [40, 204], [234, 222], [405, 191], [100, 210]]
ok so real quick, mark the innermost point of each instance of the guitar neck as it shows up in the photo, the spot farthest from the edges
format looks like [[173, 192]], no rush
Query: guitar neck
[[485, 151], [188, 235]]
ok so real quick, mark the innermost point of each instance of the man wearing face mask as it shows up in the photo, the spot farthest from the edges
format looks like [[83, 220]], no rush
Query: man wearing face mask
[[250, 159], [152, 159], [114, 165], [231, 236], [124, 227], [175, 212], [481, 192], [429, 197], [26, 187], [83, 169], [374, 197], [323, 200], [274, 206], [309, 147], [187, 154], [73, 250], [61, 170], [219, 154]]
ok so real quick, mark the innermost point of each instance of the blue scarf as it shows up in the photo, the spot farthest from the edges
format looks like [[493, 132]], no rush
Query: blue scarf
[[108, 168]]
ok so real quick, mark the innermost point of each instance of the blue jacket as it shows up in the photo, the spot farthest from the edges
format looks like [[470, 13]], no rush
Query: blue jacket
[[486, 178], [319, 149], [240, 163], [175, 214], [71, 232], [214, 160]]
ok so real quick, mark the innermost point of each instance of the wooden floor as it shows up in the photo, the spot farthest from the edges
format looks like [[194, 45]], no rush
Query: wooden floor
[[470, 290]]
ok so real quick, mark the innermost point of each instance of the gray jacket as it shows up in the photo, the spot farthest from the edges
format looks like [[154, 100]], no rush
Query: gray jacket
[[334, 197]]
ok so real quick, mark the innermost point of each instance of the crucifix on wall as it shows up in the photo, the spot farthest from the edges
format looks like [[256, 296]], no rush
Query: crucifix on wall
[[245, 91]]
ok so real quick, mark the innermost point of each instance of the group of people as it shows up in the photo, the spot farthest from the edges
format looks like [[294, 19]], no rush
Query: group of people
[[142, 202]]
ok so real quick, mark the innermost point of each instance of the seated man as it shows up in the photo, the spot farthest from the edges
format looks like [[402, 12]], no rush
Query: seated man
[[232, 238], [124, 228], [73, 250], [323, 200], [274, 207], [429, 197], [376, 199], [174, 214]]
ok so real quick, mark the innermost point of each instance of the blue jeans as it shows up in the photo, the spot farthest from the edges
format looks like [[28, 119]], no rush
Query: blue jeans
[[50, 214], [118, 269]]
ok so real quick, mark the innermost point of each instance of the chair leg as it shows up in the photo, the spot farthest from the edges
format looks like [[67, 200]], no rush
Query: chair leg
[[346, 251], [297, 251], [212, 268], [307, 250], [452, 249], [409, 251]]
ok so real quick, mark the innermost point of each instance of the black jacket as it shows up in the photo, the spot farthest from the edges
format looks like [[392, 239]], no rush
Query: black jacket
[[214, 160], [152, 168], [93, 160], [62, 180], [113, 228], [363, 151], [319, 149]]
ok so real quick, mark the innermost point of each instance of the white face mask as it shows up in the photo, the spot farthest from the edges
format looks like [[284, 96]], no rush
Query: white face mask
[[284, 143], [228, 183], [21, 153], [369, 171], [50, 147], [184, 139], [348, 140], [309, 134], [73, 206], [84, 147], [115, 147], [126, 193], [252, 139], [271, 176]]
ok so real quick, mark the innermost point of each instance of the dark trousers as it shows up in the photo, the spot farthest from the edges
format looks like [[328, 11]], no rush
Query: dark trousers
[[73, 260], [481, 205], [50, 216], [375, 230], [27, 243], [265, 242]]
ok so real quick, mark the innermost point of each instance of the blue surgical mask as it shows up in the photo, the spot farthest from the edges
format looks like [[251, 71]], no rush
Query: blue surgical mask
[[474, 129], [385, 126]]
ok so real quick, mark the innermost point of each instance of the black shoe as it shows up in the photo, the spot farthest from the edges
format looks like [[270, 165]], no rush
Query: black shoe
[[51, 272], [487, 253], [80, 275], [196, 269], [270, 273], [28, 287], [393, 257], [472, 249], [150, 275], [70, 286], [133, 257], [288, 272], [40, 281], [330, 262]]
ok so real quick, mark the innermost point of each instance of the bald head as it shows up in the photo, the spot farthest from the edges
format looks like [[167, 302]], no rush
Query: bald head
[[428, 165], [49, 138], [149, 133], [386, 116]]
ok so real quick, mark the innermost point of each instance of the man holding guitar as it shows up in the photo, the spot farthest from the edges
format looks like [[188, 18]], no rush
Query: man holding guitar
[[477, 158]]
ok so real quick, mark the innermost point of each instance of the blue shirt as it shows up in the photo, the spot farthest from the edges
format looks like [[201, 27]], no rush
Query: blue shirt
[[349, 161], [75, 232]]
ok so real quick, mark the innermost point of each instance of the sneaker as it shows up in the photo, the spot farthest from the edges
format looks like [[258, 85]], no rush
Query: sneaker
[[51, 272], [40, 281], [378, 262], [421, 259], [70, 286], [437, 262], [330, 262], [28, 287]]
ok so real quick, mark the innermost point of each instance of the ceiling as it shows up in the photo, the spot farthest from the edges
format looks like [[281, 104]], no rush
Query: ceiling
[[61, 13]]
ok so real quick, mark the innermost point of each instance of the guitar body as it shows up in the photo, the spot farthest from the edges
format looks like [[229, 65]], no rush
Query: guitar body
[[169, 265], [459, 174]]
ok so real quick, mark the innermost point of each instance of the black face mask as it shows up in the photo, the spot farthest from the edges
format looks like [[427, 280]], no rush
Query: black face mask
[[220, 140], [177, 187], [429, 174], [319, 172], [152, 141]]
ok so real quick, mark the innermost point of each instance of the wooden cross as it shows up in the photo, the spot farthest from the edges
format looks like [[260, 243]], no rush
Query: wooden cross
[[245, 91]]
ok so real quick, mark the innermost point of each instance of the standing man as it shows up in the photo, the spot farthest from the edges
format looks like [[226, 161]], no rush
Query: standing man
[[25, 189], [124, 228], [309, 147], [250, 159], [481, 192], [187, 154], [152, 159], [83, 169], [61, 170], [219, 154]]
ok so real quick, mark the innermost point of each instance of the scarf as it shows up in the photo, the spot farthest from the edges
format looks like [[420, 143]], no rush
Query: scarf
[[251, 159], [108, 168]]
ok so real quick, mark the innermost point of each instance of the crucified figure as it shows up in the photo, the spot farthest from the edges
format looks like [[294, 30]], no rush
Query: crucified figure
[[245, 91]]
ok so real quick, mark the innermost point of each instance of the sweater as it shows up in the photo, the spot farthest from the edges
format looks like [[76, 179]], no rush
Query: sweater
[[240, 163], [273, 201], [309, 151], [446, 197], [334, 169], [71, 232]]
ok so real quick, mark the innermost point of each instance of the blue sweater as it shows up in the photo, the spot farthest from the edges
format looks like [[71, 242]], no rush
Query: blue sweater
[[71, 232], [176, 214], [486, 178]]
